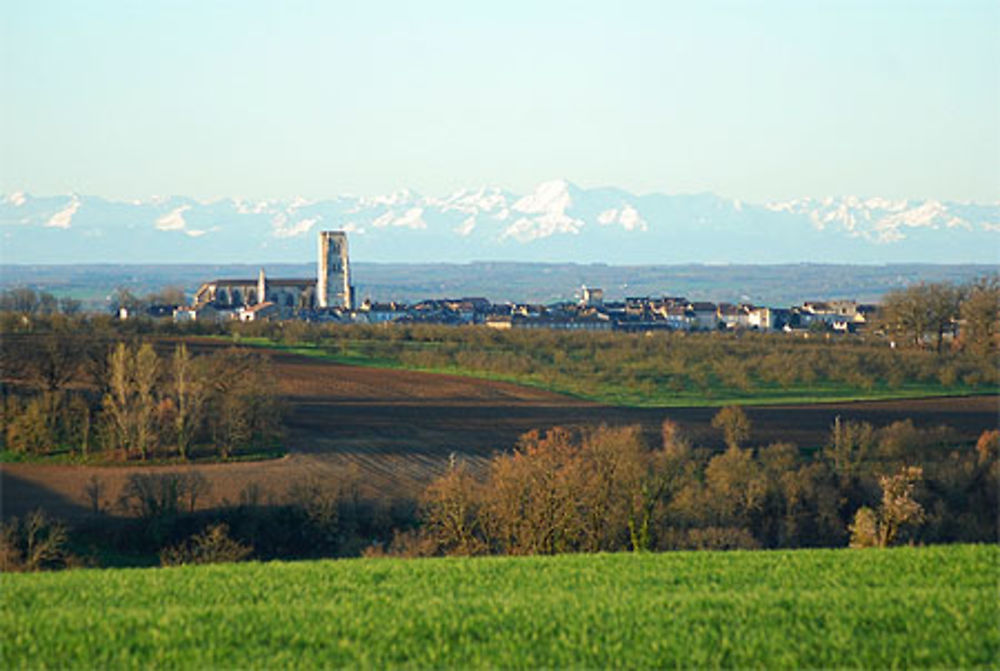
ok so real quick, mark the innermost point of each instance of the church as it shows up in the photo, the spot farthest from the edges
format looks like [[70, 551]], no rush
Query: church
[[330, 289]]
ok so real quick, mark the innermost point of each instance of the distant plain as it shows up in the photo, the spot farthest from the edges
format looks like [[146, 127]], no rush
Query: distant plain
[[771, 285]]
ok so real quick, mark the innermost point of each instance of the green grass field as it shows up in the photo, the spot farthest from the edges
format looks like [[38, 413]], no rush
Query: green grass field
[[928, 607]]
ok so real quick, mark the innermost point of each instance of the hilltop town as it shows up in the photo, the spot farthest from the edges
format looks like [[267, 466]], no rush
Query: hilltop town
[[592, 313], [330, 298]]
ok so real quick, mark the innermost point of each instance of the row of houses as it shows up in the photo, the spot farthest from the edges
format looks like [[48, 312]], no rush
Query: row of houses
[[591, 313], [675, 313]]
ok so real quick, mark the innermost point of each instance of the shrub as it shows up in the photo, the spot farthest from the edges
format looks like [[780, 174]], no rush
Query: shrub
[[881, 528], [36, 543], [211, 546], [721, 538], [865, 529]]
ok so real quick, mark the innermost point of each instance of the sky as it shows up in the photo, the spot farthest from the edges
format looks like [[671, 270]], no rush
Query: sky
[[759, 101]]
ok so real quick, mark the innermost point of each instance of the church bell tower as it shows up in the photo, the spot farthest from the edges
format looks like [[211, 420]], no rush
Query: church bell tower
[[333, 281]]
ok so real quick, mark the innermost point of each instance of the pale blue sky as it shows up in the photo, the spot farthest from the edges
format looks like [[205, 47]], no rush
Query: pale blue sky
[[276, 99]]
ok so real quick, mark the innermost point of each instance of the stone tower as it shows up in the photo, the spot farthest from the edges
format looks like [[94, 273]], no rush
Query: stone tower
[[333, 283]]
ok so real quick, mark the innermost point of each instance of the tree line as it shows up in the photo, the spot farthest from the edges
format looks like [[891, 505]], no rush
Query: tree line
[[160, 515], [592, 489], [66, 393], [29, 301], [923, 314], [608, 489]]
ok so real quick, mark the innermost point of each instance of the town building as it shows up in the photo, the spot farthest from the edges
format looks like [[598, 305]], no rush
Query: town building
[[592, 297], [331, 289]]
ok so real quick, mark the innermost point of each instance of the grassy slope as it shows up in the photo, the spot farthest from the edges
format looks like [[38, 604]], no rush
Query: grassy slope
[[905, 607], [818, 392]]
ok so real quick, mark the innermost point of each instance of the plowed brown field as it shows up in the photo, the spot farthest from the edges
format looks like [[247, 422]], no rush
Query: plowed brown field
[[393, 431]]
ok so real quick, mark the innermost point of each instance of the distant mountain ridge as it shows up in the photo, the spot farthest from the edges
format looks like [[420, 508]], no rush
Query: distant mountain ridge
[[555, 222]]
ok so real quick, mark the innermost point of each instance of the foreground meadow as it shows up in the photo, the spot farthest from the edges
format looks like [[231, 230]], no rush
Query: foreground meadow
[[934, 606]]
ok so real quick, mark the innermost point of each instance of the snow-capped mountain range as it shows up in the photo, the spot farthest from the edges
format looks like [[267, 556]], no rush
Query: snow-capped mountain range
[[557, 221]]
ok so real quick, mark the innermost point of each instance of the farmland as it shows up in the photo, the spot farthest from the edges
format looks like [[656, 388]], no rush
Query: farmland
[[642, 370], [393, 431], [364, 446], [906, 607]]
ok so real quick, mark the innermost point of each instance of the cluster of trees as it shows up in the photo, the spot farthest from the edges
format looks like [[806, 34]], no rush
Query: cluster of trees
[[164, 514], [605, 489], [27, 301], [223, 400], [124, 297], [923, 314], [69, 393], [566, 490]]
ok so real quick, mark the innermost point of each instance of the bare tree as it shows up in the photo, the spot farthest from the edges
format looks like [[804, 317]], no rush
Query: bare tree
[[881, 528], [69, 306], [211, 546], [34, 544], [118, 399], [123, 297], [241, 407], [736, 486], [146, 373], [451, 511], [169, 295], [851, 444], [189, 395], [944, 302], [611, 476], [94, 490], [20, 299], [905, 314], [532, 507], [980, 313], [80, 419], [734, 424], [130, 405], [663, 471], [922, 309], [51, 360]]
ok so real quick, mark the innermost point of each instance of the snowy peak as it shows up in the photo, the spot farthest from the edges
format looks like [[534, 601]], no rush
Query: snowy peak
[[882, 220], [544, 213], [64, 217], [548, 197], [627, 217], [554, 221]]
